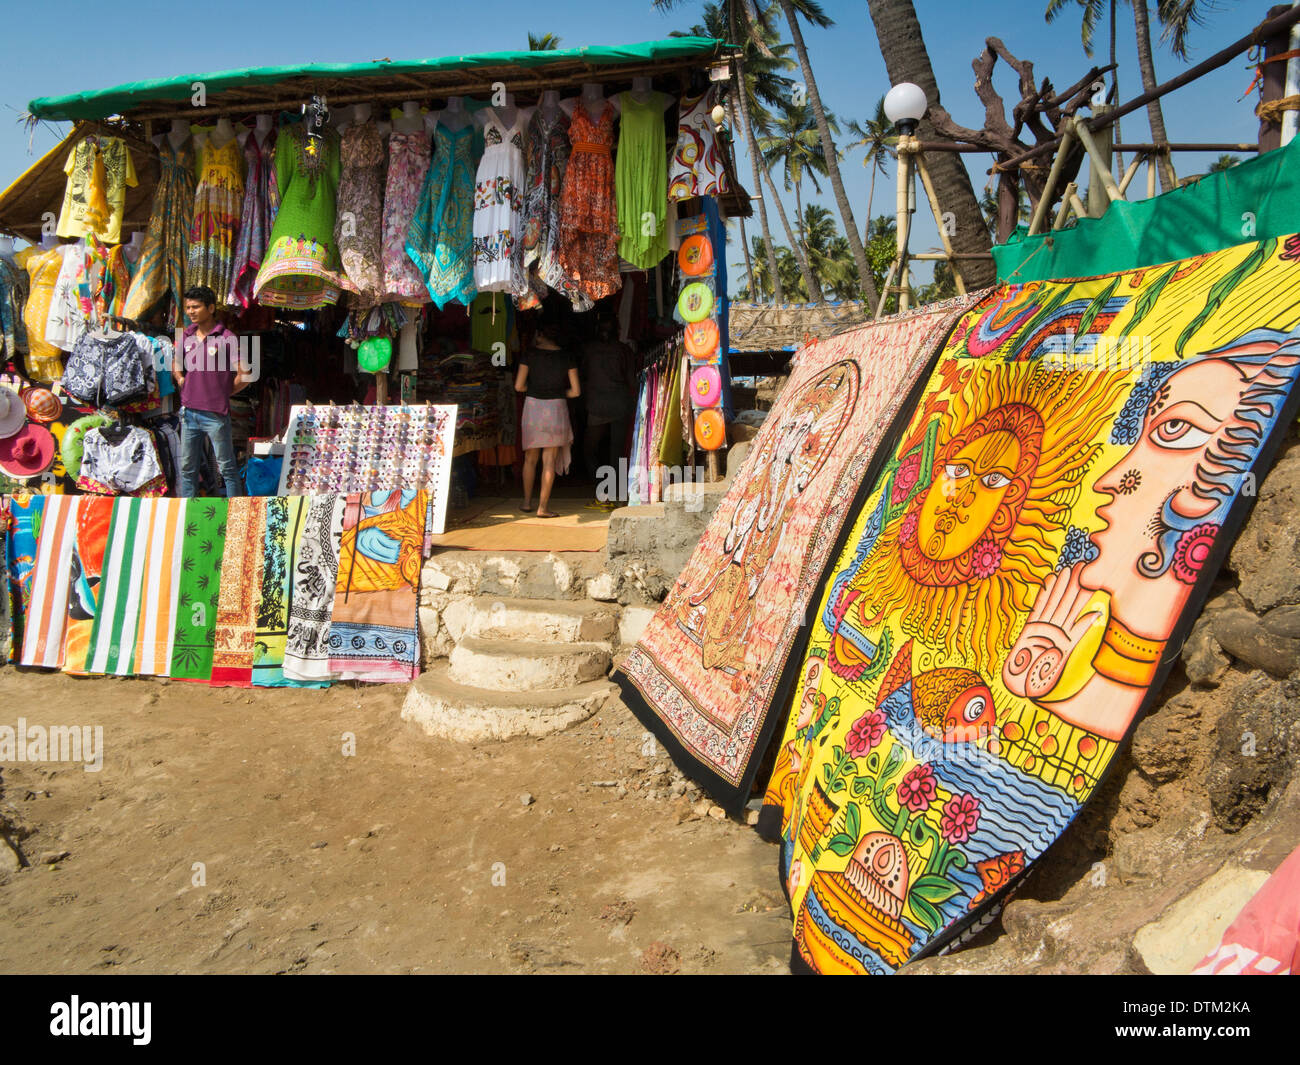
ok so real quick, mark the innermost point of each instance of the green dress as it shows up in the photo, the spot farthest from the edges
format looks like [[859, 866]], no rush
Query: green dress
[[301, 268], [641, 180]]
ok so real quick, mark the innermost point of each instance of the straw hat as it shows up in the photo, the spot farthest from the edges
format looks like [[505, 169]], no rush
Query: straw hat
[[28, 454], [13, 415]]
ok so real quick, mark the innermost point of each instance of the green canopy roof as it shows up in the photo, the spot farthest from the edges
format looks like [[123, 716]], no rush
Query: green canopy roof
[[145, 97]]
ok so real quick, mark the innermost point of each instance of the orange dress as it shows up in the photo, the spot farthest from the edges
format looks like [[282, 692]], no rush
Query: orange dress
[[588, 217]]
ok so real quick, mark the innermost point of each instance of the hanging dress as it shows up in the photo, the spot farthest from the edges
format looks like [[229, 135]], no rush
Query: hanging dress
[[301, 267], [641, 180], [696, 168], [44, 360], [440, 241], [408, 163], [215, 224], [498, 207], [254, 220], [67, 319], [588, 222], [547, 160], [162, 263], [357, 228]]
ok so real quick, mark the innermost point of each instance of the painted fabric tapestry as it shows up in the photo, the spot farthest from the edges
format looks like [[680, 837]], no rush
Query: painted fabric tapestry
[[1017, 581], [285, 518], [713, 662], [241, 588], [315, 572], [47, 614], [367, 449], [372, 632], [198, 589]]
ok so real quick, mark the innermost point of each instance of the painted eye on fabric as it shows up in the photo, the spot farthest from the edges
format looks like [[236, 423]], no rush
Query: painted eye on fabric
[[955, 471], [1179, 434], [974, 708], [995, 479]]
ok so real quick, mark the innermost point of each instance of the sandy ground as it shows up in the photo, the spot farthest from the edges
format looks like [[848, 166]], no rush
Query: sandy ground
[[411, 855]]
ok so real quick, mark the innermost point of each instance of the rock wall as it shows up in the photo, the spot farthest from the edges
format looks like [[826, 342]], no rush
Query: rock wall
[[1204, 802]]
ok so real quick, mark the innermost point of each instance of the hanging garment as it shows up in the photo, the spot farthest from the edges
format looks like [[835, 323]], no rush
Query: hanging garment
[[547, 152], [199, 587], [215, 222], [315, 574], [99, 172], [67, 321], [160, 578], [285, 519], [408, 163], [696, 168], [103, 278], [14, 287], [358, 225], [241, 588], [166, 243], [641, 180], [254, 221], [94, 517], [6, 596], [120, 461], [112, 638], [301, 268], [440, 241], [24, 522], [588, 219], [498, 207], [47, 615], [44, 360], [123, 268], [108, 368], [373, 626]]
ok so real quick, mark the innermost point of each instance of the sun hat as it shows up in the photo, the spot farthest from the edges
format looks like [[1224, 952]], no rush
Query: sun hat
[[29, 453], [13, 415], [42, 404]]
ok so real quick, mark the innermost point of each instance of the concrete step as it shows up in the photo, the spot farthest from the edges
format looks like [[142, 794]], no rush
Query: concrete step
[[453, 711], [541, 620], [513, 574], [527, 665]]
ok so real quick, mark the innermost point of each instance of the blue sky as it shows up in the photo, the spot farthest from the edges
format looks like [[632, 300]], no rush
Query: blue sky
[[134, 41]]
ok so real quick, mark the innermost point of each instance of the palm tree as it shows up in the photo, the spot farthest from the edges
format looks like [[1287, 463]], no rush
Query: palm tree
[[829, 259], [795, 143], [1091, 14], [759, 287], [1224, 162], [812, 11], [1178, 17], [906, 59], [877, 138], [543, 42]]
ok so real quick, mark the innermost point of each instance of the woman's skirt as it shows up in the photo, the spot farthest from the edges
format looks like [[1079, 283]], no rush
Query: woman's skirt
[[545, 423]]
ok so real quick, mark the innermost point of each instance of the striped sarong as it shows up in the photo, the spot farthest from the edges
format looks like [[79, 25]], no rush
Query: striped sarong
[[163, 560], [112, 637], [47, 612]]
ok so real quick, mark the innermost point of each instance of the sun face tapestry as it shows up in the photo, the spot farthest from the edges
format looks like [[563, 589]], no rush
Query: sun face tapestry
[[713, 661], [1016, 584]]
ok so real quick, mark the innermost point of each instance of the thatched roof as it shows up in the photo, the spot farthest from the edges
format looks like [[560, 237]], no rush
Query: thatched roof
[[763, 327]]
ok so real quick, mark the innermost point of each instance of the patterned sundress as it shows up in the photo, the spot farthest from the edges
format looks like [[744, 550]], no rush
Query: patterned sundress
[[440, 241], [499, 208], [162, 263], [215, 225], [547, 160], [588, 220], [641, 181], [254, 222], [696, 168], [357, 229], [408, 163], [44, 360]]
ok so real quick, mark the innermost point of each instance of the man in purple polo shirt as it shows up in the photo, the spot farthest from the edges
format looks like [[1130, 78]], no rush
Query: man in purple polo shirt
[[208, 373]]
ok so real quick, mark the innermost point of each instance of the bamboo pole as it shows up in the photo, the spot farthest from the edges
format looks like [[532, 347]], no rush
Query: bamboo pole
[[1053, 175], [1063, 212], [1101, 167], [1129, 174], [938, 221]]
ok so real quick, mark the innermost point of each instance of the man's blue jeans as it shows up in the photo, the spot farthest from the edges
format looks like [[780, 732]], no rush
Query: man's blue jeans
[[195, 425]]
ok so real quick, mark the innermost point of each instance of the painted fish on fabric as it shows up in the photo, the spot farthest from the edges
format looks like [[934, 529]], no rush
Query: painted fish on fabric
[[952, 703]]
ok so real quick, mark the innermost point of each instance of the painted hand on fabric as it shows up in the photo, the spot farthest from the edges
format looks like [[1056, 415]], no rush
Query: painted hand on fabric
[[1063, 620]]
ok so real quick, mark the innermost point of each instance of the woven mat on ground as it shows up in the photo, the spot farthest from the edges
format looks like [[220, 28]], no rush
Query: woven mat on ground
[[501, 526]]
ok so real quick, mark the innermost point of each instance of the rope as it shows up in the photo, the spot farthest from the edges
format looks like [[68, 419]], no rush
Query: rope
[[1272, 110]]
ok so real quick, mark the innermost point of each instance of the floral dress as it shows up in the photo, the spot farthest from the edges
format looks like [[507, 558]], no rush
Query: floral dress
[[440, 241], [547, 161], [357, 229], [44, 360], [408, 163], [162, 263], [213, 229], [588, 220], [254, 223], [498, 208]]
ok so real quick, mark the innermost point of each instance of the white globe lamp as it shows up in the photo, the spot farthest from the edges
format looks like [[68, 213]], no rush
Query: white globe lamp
[[905, 105]]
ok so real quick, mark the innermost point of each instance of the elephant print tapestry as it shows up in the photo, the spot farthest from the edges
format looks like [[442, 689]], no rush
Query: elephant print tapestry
[[713, 662], [1018, 580]]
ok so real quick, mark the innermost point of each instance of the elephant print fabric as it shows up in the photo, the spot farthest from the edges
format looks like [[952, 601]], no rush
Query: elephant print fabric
[[710, 669], [1018, 579]]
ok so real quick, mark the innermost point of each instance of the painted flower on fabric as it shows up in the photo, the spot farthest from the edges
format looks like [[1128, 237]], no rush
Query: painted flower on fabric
[[907, 531], [1291, 250], [961, 816], [917, 790], [866, 733], [986, 557], [1193, 549], [905, 479]]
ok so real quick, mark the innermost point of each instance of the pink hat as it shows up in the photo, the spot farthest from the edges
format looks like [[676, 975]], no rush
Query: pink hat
[[29, 453]]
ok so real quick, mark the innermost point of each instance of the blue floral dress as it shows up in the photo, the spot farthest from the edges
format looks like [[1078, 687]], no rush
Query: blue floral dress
[[440, 241]]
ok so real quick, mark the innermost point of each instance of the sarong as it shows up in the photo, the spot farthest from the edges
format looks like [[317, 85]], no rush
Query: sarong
[[241, 587], [315, 572], [197, 595], [285, 517], [112, 637], [161, 578], [47, 613], [94, 517]]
